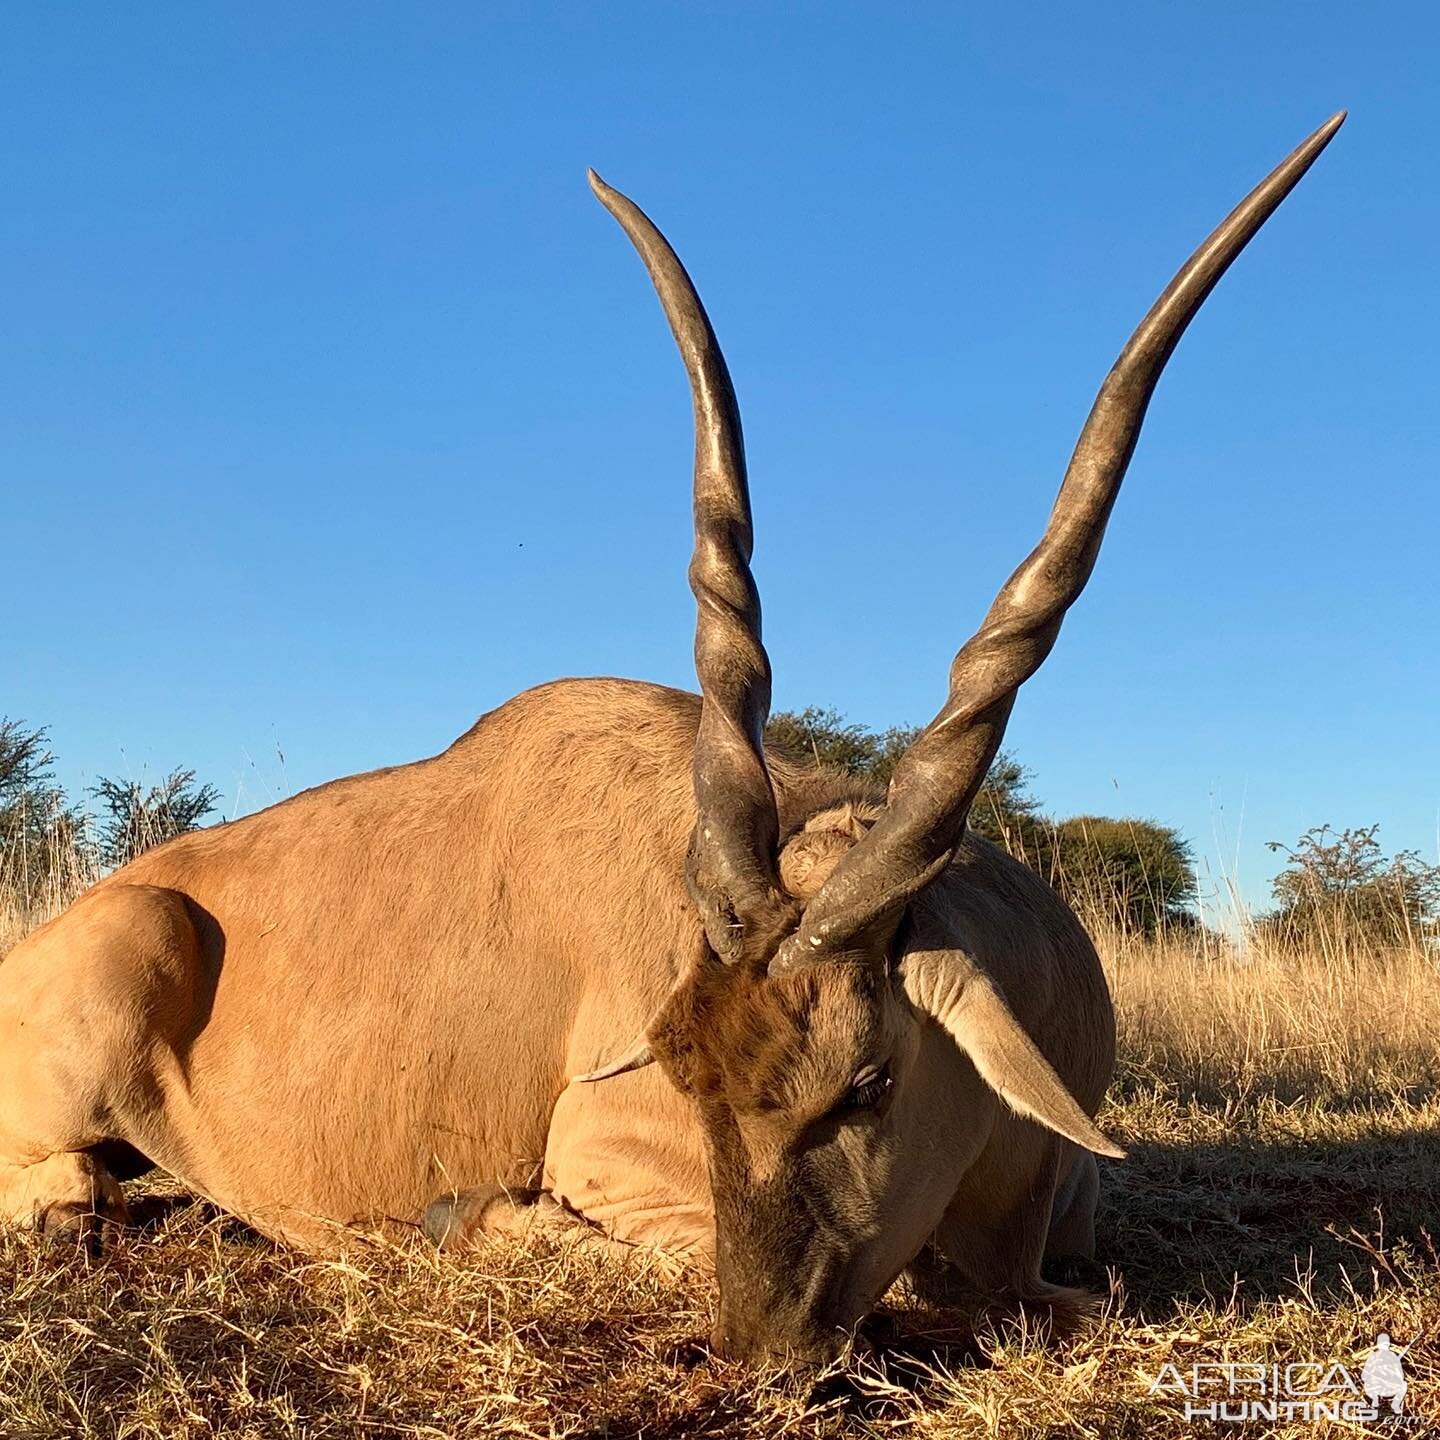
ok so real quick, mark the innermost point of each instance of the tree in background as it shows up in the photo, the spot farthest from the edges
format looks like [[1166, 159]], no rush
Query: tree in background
[[134, 819], [1140, 873], [40, 833], [25, 760], [1343, 883], [824, 737], [1136, 874]]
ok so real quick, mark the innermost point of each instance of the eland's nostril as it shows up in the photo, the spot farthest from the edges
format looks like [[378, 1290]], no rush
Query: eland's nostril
[[729, 1341], [877, 1330]]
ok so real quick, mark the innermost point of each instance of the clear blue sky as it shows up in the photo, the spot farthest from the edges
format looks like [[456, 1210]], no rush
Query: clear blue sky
[[334, 410]]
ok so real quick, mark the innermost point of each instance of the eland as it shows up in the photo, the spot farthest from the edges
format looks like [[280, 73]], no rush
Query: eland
[[605, 967]]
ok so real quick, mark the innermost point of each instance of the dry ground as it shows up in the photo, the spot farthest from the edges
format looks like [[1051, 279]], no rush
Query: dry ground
[[1283, 1120]]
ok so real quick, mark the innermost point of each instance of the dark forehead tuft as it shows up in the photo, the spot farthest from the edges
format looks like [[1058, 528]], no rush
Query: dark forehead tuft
[[738, 1035], [805, 1030]]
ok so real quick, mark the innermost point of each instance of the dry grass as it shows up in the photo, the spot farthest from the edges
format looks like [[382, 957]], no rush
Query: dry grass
[[35, 887], [1236, 1025], [1283, 1119]]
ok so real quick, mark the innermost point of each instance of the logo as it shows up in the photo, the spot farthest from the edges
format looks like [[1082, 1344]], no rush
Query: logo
[[1383, 1376], [1237, 1391]]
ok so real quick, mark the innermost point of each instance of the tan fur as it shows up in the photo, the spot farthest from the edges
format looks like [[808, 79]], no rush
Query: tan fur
[[327, 1014], [809, 856]]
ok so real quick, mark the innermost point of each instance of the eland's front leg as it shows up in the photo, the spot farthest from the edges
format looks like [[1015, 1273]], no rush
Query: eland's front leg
[[90, 1007]]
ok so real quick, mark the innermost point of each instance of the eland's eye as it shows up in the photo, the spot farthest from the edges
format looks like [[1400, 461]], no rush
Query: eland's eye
[[870, 1086]]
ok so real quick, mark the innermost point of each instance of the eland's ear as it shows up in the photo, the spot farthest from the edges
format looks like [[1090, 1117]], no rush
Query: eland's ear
[[966, 1003]]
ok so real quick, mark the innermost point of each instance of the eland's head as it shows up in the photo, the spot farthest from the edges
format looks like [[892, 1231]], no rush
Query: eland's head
[[833, 953]]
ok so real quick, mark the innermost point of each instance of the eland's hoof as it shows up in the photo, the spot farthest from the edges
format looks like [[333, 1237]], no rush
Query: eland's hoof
[[68, 1225], [458, 1219]]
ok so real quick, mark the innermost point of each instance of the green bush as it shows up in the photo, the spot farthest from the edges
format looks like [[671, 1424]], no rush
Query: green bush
[[1343, 883]]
